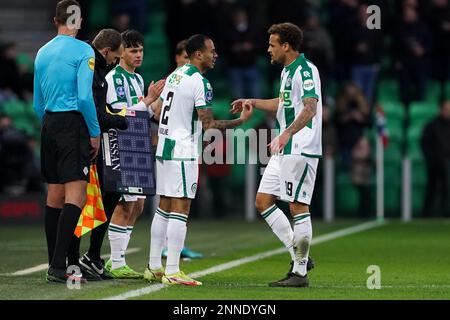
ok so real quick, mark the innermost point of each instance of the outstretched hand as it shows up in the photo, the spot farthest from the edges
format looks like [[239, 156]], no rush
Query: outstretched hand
[[246, 112], [238, 105], [154, 91]]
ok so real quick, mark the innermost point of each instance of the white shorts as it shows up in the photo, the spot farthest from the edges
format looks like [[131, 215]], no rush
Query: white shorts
[[290, 177], [176, 178], [131, 197]]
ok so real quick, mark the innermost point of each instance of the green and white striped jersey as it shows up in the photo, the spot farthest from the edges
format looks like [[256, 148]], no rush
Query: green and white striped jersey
[[125, 90], [300, 80], [186, 90]]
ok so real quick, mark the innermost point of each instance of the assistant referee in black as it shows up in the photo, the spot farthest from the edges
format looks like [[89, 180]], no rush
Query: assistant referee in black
[[70, 135], [108, 47]]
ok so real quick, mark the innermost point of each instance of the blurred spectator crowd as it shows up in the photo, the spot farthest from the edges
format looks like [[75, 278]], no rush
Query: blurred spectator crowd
[[409, 53]]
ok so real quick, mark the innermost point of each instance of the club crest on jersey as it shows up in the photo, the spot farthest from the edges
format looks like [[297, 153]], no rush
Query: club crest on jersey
[[288, 82], [308, 84], [209, 96], [306, 74], [119, 82], [120, 92]]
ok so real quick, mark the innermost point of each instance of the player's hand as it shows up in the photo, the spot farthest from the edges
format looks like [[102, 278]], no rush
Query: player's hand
[[247, 111], [95, 146], [238, 105], [154, 91], [279, 142]]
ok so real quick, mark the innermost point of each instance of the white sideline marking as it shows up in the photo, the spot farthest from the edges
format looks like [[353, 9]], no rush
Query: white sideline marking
[[44, 266], [238, 262]]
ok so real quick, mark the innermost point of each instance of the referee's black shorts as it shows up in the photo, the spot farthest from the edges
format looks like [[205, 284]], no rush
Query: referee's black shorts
[[65, 146]]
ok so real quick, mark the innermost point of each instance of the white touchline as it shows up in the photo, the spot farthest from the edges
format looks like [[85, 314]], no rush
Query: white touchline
[[238, 262], [44, 266]]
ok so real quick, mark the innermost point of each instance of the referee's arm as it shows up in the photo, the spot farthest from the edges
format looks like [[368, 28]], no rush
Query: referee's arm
[[38, 101], [86, 103]]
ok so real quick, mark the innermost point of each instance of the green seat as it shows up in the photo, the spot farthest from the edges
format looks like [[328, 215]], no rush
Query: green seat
[[393, 152], [418, 173], [238, 175], [347, 200], [414, 134], [433, 92], [388, 91], [392, 198], [423, 111], [415, 151], [418, 194], [395, 129], [221, 109], [394, 111], [155, 39], [26, 124], [14, 108], [157, 21], [99, 14], [25, 61], [392, 173]]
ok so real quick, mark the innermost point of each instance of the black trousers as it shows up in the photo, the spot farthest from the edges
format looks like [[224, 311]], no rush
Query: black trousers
[[436, 202]]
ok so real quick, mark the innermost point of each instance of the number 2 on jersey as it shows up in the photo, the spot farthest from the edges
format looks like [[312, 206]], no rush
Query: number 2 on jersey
[[165, 116]]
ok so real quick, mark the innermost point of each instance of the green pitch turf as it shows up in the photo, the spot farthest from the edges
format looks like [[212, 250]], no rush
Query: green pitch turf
[[413, 259]]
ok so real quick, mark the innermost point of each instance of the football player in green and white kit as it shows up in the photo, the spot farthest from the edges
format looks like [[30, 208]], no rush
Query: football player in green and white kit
[[291, 171], [126, 91], [186, 109]]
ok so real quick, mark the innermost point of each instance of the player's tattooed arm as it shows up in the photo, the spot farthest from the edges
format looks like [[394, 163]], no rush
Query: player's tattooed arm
[[269, 105], [307, 113], [206, 117]]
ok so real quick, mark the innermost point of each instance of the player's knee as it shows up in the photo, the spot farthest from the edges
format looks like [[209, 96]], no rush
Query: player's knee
[[297, 207], [55, 196], [261, 203], [124, 210], [164, 204], [55, 200], [139, 208]]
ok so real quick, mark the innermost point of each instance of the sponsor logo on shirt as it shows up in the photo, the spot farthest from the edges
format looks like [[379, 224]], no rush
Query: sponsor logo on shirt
[[308, 84]]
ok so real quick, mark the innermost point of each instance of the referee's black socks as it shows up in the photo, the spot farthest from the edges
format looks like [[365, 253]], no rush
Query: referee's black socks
[[51, 228], [73, 255], [66, 227]]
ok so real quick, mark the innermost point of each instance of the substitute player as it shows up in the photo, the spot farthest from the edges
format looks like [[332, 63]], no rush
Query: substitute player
[[126, 90], [187, 97], [291, 171]]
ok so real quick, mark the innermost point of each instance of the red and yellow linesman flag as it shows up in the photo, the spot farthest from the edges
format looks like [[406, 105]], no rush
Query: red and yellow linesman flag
[[93, 213]]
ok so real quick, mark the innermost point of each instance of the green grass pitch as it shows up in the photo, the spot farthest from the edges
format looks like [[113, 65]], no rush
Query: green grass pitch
[[413, 259]]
